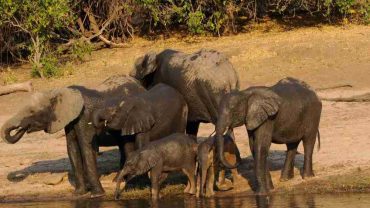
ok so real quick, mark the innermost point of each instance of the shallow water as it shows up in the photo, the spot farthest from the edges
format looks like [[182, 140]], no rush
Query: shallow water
[[278, 201]]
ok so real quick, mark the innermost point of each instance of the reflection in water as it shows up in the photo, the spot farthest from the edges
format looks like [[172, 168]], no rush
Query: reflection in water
[[239, 201]]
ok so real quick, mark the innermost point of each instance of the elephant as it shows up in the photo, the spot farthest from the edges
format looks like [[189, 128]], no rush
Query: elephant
[[70, 109], [202, 78], [148, 116], [175, 152], [285, 113], [209, 164]]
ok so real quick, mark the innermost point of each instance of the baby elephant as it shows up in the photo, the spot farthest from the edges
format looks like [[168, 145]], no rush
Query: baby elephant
[[209, 164], [175, 152]]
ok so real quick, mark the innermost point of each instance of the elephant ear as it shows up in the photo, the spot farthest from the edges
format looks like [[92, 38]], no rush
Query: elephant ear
[[147, 160], [261, 105], [139, 119], [144, 65], [66, 105]]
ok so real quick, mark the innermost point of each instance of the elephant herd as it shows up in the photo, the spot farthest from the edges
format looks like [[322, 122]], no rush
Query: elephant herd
[[153, 116]]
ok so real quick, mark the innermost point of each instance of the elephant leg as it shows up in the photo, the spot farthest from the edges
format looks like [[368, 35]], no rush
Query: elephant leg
[[269, 184], [192, 127], [251, 143], [74, 155], [262, 143], [221, 177], [189, 172], [85, 134], [210, 181], [122, 155], [308, 146], [203, 169], [198, 184], [141, 140], [155, 175], [236, 178], [288, 170]]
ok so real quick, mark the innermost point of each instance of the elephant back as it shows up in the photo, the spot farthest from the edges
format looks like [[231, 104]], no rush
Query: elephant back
[[202, 78]]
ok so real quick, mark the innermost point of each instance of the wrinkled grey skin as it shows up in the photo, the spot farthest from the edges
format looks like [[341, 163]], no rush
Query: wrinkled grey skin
[[202, 78], [172, 153], [209, 164], [286, 113], [70, 109], [148, 116]]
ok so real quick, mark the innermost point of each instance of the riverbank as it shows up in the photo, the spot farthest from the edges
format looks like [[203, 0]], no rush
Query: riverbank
[[37, 167]]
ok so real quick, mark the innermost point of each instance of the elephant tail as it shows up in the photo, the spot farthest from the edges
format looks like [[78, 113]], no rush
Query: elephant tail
[[318, 139]]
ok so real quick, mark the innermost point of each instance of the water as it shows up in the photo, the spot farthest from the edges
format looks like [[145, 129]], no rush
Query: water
[[278, 201]]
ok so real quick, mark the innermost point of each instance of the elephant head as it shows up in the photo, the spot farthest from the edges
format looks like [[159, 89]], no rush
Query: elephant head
[[49, 111], [251, 107], [138, 163], [133, 115], [144, 68]]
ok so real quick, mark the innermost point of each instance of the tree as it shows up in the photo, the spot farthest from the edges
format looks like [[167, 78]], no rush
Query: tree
[[37, 19]]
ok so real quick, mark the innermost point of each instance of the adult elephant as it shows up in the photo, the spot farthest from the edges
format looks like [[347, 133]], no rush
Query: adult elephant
[[70, 109], [286, 113], [202, 78]]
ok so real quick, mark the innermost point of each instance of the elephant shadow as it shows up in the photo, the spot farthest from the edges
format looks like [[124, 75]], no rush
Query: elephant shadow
[[108, 162], [276, 161]]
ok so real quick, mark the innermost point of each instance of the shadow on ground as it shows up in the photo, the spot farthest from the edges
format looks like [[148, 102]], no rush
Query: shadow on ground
[[108, 163]]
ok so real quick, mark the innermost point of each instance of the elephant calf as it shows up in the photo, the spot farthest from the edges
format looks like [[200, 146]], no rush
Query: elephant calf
[[174, 152], [149, 116], [286, 113], [209, 164]]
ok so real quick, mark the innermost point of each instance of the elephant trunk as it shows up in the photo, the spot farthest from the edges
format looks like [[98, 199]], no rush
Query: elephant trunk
[[7, 129], [120, 179], [221, 127]]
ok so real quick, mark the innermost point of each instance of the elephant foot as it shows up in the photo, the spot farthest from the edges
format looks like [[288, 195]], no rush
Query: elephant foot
[[284, 178], [224, 186], [97, 194], [209, 193], [79, 192], [308, 175], [192, 192]]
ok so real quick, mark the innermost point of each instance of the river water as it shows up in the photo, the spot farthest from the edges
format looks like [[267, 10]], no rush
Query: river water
[[279, 201]]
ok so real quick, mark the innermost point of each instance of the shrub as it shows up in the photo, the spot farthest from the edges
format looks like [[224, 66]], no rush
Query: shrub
[[48, 68], [38, 20]]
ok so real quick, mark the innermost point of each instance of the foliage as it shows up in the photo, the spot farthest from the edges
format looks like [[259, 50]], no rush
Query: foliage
[[49, 67], [80, 50], [10, 77], [37, 21], [35, 29]]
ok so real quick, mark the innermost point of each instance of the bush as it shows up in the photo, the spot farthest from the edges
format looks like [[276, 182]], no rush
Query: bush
[[80, 50], [49, 67], [37, 22], [35, 28]]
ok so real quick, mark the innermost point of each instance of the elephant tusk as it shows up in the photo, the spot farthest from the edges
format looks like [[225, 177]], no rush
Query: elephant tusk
[[105, 123]]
